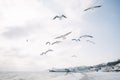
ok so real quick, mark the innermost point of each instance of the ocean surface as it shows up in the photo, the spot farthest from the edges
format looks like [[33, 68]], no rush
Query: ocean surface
[[59, 76], [32, 75]]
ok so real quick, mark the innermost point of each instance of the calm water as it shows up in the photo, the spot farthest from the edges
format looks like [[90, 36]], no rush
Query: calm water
[[30, 75]]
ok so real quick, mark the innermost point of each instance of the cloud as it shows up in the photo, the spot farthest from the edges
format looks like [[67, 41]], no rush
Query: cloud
[[15, 32]]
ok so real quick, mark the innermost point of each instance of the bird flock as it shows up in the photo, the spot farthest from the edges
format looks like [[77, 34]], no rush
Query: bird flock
[[64, 36]]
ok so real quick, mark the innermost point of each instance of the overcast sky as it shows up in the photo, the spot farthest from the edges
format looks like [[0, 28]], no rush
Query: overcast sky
[[26, 26]]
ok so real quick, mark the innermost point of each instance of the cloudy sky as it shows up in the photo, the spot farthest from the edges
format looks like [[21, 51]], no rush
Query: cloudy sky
[[26, 26]]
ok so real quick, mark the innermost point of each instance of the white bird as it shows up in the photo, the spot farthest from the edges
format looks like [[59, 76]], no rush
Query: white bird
[[60, 17], [86, 36], [49, 50], [76, 40], [93, 7], [63, 36]]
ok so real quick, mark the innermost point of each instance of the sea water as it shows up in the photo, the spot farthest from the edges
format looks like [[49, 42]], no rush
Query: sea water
[[21, 75], [42, 75]]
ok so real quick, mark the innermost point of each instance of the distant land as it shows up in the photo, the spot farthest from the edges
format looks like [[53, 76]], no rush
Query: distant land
[[113, 66]]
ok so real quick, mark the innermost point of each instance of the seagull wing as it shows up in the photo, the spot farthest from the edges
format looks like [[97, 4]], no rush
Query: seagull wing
[[55, 17], [64, 16], [90, 41], [97, 6], [86, 36], [74, 39], [56, 42], [67, 33], [88, 9], [63, 36], [42, 53], [49, 50], [93, 7], [58, 37]]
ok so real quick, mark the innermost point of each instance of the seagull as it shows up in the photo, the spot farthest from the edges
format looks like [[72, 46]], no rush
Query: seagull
[[93, 7], [86, 36], [60, 17], [90, 41], [76, 40], [63, 36], [49, 50]]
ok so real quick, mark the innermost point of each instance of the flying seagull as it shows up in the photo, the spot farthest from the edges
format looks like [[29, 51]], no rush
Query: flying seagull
[[93, 7], [49, 50], [60, 17], [86, 36], [76, 40], [63, 36]]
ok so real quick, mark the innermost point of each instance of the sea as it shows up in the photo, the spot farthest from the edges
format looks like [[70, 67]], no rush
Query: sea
[[21, 75]]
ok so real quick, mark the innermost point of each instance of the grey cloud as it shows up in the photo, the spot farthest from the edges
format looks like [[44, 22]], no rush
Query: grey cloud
[[15, 32], [21, 31]]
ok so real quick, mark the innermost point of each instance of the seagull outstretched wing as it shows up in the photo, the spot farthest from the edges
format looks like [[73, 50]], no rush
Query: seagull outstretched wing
[[56, 42], [49, 50], [93, 7], [75, 39], [63, 36], [67, 33], [87, 9], [64, 16], [86, 36], [90, 41], [60, 17], [55, 17]]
